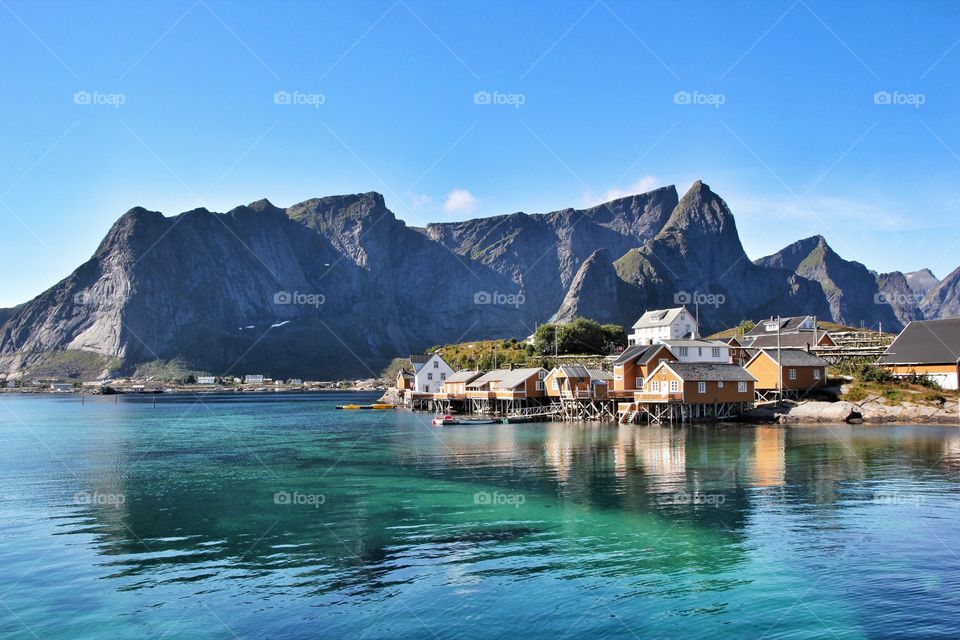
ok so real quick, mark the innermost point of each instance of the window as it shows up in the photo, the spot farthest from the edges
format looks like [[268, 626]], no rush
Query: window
[[716, 352], [655, 386], [792, 374], [742, 387], [674, 386], [700, 351], [816, 374], [701, 387], [683, 352], [436, 364], [539, 385], [719, 384], [542, 374], [430, 376], [554, 385], [443, 376], [638, 383]]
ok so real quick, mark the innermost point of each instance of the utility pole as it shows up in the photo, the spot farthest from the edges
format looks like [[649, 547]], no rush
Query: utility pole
[[779, 364]]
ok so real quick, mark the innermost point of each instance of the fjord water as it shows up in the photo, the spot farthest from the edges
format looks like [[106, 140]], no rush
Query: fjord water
[[277, 516]]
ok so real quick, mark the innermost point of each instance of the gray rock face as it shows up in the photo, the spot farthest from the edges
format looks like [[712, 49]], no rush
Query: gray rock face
[[851, 290], [896, 291], [921, 282], [943, 301], [336, 286]]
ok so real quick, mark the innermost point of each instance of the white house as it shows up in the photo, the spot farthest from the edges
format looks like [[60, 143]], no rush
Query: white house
[[664, 324], [253, 379], [429, 373], [695, 350], [206, 380]]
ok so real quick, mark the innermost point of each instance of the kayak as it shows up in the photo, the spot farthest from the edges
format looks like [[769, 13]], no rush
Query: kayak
[[365, 406]]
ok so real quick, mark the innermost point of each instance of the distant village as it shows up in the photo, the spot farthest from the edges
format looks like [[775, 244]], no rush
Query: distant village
[[668, 373]]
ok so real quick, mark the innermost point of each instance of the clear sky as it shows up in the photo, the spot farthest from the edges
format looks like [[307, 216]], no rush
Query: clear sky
[[174, 105]]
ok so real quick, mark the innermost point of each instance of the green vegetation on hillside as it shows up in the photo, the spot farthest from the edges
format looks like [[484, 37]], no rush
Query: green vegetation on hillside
[[579, 336]]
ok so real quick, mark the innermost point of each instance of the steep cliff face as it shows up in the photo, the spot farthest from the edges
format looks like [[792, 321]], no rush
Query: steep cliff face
[[895, 290], [337, 286], [922, 281], [697, 260], [542, 253], [852, 291], [943, 301], [333, 285]]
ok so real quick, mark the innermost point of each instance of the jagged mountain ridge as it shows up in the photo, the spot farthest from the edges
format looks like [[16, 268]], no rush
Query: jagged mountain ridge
[[852, 291], [203, 286]]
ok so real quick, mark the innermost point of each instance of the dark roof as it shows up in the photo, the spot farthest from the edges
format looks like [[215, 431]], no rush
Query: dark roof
[[794, 358], [420, 358], [801, 339], [406, 374], [641, 352], [697, 371], [926, 342], [787, 325]]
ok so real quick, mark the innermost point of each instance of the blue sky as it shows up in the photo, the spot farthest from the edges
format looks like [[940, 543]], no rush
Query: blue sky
[[175, 105]]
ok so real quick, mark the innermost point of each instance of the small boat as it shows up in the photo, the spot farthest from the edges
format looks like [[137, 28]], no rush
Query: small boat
[[378, 406], [439, 421], [479, 421], [517, 419]]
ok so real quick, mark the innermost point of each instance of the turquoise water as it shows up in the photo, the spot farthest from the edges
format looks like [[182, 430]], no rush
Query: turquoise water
[[279, 517]]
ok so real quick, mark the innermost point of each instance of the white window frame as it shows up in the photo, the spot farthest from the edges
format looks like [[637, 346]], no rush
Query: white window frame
[[719, 384], [816, 374], [430, 375], [638, 383], [539, 385], [791, 374], [716, 352], [684, 351], [674, 386], [655, 386], [742, 387], [701, 387]]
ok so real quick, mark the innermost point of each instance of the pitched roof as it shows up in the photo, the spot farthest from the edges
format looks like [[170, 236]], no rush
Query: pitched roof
[[490, 376], [516, 377], [406, 374], [793, 358], [788, 324], [463, 376], [639, 352], [801, 339], [600, 374], [418, 360], [574, 371], [925, 342], [658, 317], [697, 371]]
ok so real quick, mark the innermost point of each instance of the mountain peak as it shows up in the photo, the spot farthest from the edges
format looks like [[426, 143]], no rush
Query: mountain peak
[[702, 212]]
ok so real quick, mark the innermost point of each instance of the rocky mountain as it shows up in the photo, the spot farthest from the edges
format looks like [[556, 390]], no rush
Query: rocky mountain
[[943, 301], [336, 286], [896, 291], [852, 291], [921, 282]]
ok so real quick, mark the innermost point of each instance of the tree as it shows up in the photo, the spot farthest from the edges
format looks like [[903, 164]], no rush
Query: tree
[[744, 327], [615, 335], [579, 336], [389, 375]]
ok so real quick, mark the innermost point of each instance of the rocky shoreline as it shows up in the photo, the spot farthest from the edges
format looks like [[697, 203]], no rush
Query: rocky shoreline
[[871, 410]]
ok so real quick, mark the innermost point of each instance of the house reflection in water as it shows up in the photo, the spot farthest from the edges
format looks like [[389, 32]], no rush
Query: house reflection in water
[[660, 451], [769, 462]]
